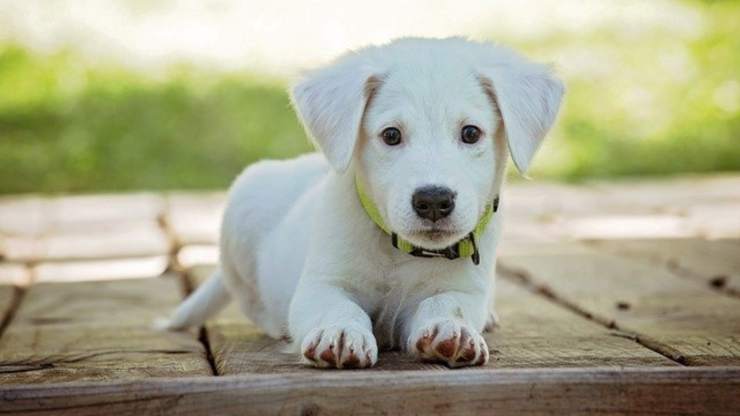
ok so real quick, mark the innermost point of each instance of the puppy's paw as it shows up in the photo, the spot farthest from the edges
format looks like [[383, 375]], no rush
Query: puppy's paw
[[450, 342], [340, 347]]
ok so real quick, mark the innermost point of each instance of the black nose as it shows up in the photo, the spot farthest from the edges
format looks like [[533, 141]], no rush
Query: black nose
[[433, 202]]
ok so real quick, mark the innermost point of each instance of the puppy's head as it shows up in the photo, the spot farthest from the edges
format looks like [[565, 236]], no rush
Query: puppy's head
[[427, 123]]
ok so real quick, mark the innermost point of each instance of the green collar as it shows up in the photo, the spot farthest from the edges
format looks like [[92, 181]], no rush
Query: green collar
[[464, 248]]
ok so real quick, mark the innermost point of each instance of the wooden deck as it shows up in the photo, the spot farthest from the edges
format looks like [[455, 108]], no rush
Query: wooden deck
[[615, 298]]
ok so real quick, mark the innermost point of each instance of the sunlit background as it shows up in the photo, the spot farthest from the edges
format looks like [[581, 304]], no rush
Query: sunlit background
[[182, 94]]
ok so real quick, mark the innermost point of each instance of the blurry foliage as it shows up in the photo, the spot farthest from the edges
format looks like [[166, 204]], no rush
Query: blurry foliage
[[647, 103], [65, 127], [650, 103]]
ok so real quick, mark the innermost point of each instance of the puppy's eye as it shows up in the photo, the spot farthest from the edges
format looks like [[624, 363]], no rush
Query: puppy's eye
[[470, 134], [391, 136]]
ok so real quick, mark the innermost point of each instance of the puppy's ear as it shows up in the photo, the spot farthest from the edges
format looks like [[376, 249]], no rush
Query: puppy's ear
[[331, 103], [528, 97]]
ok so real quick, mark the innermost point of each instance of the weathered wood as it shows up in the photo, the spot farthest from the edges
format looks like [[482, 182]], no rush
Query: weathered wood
[[715, 262], [7, 298], [680, 318], [678, 207], [97, 331], [138, 239], [39, 215], [685, 391], [715, 221], [102, 269], [671, 194], [700, 206], [195, 218], [534, 211], [22, 215], [557, 303], [534, 333], [197, 255], [14, 274]]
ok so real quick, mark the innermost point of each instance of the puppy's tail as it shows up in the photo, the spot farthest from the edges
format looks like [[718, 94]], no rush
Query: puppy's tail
[[206, 301]]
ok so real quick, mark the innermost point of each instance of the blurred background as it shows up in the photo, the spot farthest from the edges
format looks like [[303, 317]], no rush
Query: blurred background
[[182, 94]]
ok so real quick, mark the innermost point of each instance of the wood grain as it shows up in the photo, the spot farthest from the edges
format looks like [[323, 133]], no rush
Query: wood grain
[[685, 391], [714, 262], [534, 333], [683, 319], [97, 331]]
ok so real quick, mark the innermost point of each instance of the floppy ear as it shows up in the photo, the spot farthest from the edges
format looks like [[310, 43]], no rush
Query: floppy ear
[[528, 97], [331, 103]]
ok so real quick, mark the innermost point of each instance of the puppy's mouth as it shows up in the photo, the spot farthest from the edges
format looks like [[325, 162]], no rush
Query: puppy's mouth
[[434, 234], [435, 237]]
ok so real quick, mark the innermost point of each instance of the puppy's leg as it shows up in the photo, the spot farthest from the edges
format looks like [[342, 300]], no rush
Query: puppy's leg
[[446, 328], [332, 329]]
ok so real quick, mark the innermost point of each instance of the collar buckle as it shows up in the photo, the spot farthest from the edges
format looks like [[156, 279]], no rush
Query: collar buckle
[[452, 252]]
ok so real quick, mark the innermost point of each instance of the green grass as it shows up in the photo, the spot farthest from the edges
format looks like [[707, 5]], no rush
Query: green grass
[[663, 106]]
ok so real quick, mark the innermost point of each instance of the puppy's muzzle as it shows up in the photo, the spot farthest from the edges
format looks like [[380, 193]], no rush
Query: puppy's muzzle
[[433, 202]]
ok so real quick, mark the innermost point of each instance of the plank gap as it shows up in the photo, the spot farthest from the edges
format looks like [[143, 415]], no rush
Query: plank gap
[[522, 278], [174, 243], [15, 302], [188, 285], [718, 282], [165, 223], [203, 338]]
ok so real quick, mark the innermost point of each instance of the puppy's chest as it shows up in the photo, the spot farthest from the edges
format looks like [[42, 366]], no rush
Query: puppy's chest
[[393, 296], [409, 276]]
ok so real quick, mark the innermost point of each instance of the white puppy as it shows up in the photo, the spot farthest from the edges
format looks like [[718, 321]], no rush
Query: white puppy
[[388, 238]]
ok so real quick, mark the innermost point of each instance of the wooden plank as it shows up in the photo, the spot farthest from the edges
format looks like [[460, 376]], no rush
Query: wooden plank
[[715, 221], [704, 206], [685, 391], [22, 215], [14, 274], [7, 301], [102, 269], [688, 206], [103, 211], [97, 331], [672, 194], [715, 262], [195, 218], [681, 318], [534, 333], [197, 255], [552, 212], [624, 226], [138, 239], [237, 345], [35, 216]]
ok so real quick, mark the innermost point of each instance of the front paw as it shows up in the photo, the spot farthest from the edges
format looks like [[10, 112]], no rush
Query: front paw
[[340, 347], [450, 342]]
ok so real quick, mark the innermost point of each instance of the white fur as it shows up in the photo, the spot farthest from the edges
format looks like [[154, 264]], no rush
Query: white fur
[[301, 256]]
